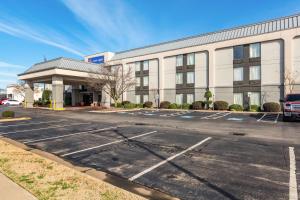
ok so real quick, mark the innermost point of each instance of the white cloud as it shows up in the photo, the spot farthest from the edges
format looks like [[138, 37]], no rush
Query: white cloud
[[20, 29], [6, 74], [10, 65], [113, 23]]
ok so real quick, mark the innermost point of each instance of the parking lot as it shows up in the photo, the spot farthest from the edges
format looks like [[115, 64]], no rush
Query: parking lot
[[185, 164], [203, 115]]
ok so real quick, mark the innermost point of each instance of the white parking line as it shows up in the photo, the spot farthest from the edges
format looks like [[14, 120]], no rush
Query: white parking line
[[217, 115], [67, 135], [37, 129], [107, 144], [167, 160], [262, 117], [272, 120], [293, 193], [33, 123]]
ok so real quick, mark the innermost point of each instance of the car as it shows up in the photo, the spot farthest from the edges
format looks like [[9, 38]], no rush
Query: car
[[11, 102], [1, 101], [291, 107]]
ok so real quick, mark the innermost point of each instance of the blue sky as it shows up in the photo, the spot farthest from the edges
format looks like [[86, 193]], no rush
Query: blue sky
[[32, 29]]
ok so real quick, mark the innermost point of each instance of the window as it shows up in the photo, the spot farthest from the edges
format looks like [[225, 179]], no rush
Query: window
[[255, 50], [238, 52], [179, 60], [138, 81], [191, 59], [255, 98], [137, 99], [238, 98], [190, 77], [254, 72], [137, 66], [179, 78], [189, 98], [179, 98], [146, 65], [145, 81], [146, 98], [238, 74]]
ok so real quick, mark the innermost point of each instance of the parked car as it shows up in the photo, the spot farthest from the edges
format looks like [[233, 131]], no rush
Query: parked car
[[1, 101], [11, 102], [291, 107]]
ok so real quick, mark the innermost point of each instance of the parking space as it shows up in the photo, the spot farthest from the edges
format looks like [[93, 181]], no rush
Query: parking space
[[185, 164], [272, 118]]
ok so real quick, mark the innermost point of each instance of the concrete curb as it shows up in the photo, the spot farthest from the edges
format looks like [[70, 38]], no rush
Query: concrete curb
[[15, 119], [132, 187]]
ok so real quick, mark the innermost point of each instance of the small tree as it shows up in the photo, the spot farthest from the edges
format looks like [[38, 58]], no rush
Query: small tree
[[207, 96], [290, 80], [46, 96], [113, 80]]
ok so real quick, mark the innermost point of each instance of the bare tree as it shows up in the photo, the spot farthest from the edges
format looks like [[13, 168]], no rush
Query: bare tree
[[19, 88], [290, 80], [113, 80]]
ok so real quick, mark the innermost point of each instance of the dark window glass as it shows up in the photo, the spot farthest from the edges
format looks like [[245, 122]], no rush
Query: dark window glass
[[238, 52], [293, 97]]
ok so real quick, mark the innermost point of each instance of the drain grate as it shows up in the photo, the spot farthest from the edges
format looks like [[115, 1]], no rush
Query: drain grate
[[238, 134], [140, 124]]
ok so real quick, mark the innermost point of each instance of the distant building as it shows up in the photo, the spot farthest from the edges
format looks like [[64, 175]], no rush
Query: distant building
[[2, 93]]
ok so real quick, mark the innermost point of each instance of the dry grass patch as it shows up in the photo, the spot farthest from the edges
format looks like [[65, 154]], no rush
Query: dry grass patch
[[49, 180]]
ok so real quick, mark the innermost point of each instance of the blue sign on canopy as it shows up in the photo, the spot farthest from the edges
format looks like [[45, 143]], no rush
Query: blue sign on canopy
[[98, 59]]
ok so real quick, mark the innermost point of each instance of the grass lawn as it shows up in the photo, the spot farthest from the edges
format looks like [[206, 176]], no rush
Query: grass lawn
[[47, 179]]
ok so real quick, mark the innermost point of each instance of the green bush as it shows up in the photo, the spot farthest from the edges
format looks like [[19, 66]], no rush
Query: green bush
[[165, 104], [125, 102], [236, 107], [46, 96], [255, 108], [220, 105], [198, 105], [8, 114], [173, 106], [272, 107], [139, 105], [129, 105], [186, 106], [148, 104]]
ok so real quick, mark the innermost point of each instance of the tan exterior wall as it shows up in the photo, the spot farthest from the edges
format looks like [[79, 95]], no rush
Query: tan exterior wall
[[224, 68]]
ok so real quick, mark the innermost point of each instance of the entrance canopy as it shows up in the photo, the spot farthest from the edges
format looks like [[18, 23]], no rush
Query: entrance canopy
[[60, 72]]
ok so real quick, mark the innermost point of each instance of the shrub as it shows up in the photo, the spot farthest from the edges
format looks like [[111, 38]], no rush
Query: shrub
[[255, 108], [236, 107], [185, 106], [220, 105], [272, 107], [165, 104], [46, 95], [148, 104], [139, 105], [8, 113], [198, 105], [173, 106], [129, 105], [125, 102]]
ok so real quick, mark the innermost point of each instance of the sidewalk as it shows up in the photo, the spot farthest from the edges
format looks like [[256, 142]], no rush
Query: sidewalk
[[10, 190]]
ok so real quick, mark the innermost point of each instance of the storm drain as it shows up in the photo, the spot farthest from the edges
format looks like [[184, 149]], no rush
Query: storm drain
[[238, 134]]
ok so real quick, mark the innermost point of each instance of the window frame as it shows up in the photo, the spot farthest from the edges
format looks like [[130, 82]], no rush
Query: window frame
[[238, 93], [236, 68], [242, 51], [187, 98], [179, 73], [145, 95], [146, 61], [187, 77], [147, 77], [187, 59], [139, 97], [181, 99], [138, 63], [259, 68], [251, 52], [138, 81], [177, 57]]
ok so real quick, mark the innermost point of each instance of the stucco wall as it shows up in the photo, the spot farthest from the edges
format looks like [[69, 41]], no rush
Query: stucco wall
[[224, 68], [296, 59]]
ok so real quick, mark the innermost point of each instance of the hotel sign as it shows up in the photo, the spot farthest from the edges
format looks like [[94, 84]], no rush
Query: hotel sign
[[98, 60]]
